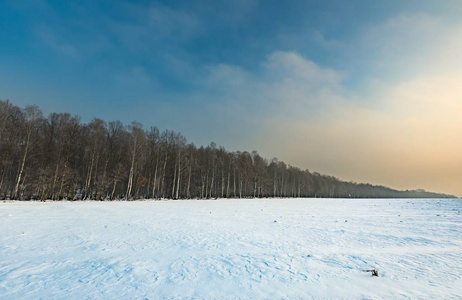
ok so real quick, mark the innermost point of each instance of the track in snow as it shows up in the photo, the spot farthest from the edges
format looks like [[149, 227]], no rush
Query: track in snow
[[275, 248]]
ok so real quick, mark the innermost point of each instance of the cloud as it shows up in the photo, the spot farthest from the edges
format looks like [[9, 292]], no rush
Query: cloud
[[285, 84], [292, 69], [136, 76], [404, 132], [146, 26], [411, 44], [397, 124], [407, 132], [46, 35], [239, 101]]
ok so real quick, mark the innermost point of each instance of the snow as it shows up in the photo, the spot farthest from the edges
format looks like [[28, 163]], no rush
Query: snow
[[271, 248]]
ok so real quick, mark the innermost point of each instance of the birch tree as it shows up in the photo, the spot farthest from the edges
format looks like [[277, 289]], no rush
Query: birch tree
[[137, 142], [31, 116]]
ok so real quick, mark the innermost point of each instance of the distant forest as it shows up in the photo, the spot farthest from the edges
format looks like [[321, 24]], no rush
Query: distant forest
[[59, 157]]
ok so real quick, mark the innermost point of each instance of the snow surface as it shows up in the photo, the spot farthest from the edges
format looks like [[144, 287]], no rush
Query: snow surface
[[272, 248]]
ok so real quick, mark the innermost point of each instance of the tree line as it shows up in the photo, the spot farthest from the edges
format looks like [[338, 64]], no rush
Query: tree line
[[59, 157]]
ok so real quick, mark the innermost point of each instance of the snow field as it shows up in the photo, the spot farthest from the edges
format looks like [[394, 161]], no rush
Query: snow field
[[270, 248]]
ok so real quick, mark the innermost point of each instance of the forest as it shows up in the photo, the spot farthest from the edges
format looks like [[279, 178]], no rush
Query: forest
[[61, 158]]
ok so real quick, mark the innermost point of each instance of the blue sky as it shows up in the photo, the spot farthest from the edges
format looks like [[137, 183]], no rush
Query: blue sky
[[314, 83]]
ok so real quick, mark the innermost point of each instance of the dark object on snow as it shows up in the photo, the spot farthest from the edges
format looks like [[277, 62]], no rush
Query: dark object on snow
[[373, 271]]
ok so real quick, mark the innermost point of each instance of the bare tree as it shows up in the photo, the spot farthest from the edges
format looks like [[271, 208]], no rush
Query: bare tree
[[137, 142], [62, 158], [31, 115]]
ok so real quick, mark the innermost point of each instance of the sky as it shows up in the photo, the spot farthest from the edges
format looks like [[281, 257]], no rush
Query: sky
[[367, 91]]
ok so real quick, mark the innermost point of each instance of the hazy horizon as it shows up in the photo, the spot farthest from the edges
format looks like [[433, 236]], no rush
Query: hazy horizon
[[364, 91]]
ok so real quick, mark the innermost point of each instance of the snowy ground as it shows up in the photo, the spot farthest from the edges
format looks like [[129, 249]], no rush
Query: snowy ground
[[278, 248]]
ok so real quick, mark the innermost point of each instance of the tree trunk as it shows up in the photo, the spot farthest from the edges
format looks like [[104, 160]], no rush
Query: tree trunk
[[207, 185], [23, 162], [63, 178], [174, 178], [5, 171], [89, 174], [179, 177], [223, 182], [55, 178], [132, 171], [274, 184], [163, 176], [234, 187], [188, 192], [155, 182], [113, 189], [211, 184], [227, 185]]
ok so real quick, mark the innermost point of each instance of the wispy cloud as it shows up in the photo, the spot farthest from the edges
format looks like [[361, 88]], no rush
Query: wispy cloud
[[406, 133], [403, 132], [62, 47], [145, 25], [411, 44], [366, 94], [136, 77], [285, 84]]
